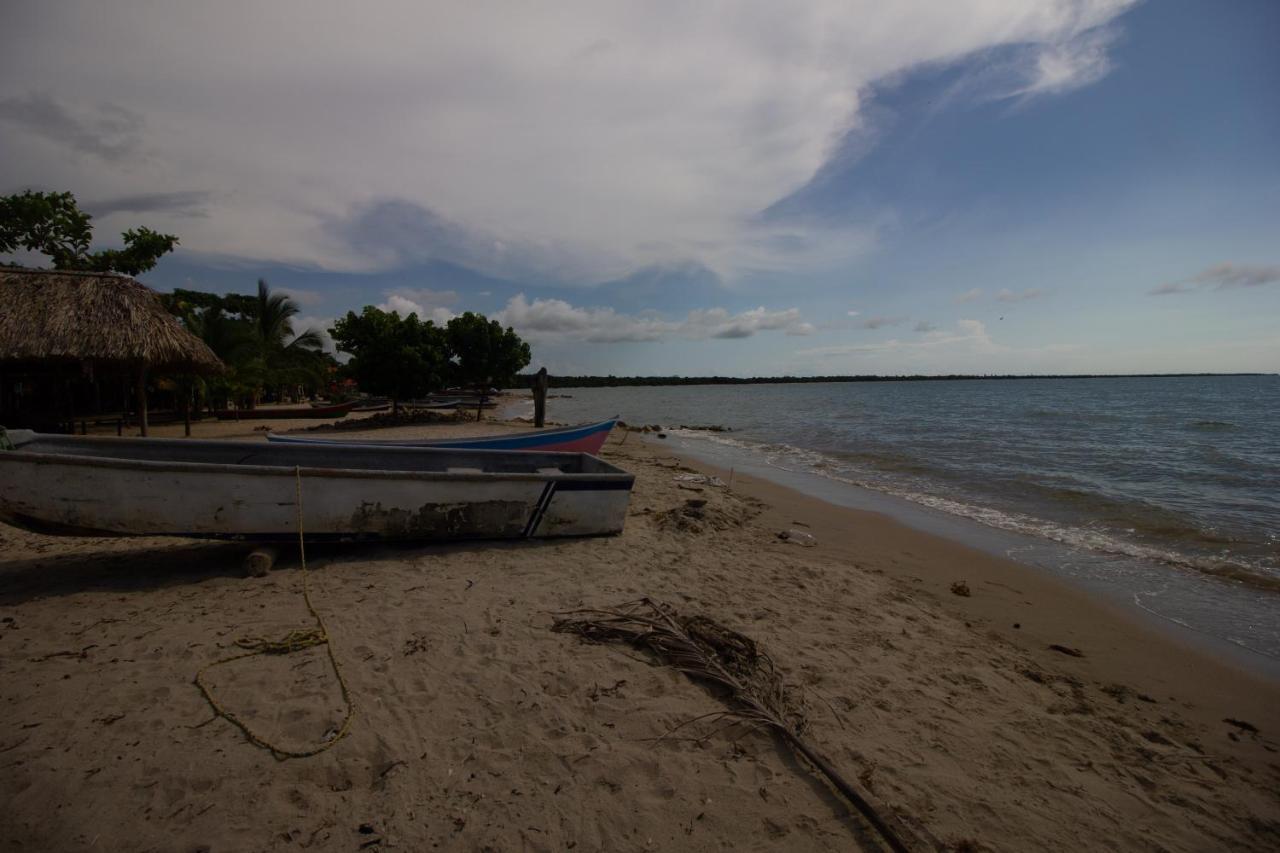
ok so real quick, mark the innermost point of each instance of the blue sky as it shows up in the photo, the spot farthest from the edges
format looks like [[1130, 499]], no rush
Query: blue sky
[[1062, 186]]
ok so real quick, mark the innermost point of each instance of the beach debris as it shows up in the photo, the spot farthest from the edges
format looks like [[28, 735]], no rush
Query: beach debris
[[756, 693], [1066, 650], [1241, 725], [960, 588], [699, 479], [798, 537], [698, 515]]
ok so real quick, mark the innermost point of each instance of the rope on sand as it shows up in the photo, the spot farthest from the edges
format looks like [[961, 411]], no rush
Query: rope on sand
[[294, 641]]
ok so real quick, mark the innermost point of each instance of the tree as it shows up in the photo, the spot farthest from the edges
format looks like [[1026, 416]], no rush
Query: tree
[[53, 224], [254, 336], [401, 358], [485, 355]]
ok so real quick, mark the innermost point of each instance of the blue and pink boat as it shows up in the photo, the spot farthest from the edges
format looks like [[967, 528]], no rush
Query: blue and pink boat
[[586, 438]]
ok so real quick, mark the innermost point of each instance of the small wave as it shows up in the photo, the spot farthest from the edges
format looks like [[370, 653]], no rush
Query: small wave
[[790, 458]]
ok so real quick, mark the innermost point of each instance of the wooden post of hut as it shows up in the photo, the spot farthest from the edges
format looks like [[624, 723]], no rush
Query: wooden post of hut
[[540, 385], [142, 400]]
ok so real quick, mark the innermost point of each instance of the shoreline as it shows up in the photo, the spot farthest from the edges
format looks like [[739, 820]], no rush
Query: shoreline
[[478, 726], [1048, 609], [1045, 554]]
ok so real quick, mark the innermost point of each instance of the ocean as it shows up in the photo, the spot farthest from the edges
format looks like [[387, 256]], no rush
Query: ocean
[[1162, 491]]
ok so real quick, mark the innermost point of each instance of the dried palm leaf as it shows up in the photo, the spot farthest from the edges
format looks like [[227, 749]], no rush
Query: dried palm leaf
[[707, 651]]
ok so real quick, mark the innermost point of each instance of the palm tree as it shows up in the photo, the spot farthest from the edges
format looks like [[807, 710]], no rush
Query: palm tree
[[287, 358]]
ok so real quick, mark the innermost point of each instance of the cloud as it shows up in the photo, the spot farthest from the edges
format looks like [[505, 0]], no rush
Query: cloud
[[106, 131], [304, 298], [925, 326], [502, 137], [405, 306], [320, 325], [178, 203], [1007, 295], [1224, 276], [853, 313], [427, 296], [969, 296], [881, 322], [1068, 64], [971, 335], [556, 318]]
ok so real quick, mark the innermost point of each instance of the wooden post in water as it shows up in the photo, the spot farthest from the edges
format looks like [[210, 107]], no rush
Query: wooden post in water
[[540, 384]]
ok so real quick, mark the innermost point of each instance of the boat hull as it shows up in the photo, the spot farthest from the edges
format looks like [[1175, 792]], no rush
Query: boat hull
[[382, 494], [588, 438], [339, 411]]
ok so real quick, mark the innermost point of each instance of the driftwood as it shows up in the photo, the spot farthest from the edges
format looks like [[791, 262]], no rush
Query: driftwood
[[260, 561], [703, 649]]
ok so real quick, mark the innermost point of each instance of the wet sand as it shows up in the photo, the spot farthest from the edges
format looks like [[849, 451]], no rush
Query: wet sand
[[478, 728]]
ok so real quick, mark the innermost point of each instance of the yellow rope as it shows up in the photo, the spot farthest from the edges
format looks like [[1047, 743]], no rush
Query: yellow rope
[[293, 641]]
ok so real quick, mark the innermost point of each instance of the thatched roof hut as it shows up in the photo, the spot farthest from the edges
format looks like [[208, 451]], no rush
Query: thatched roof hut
[[101, 317], [53, 319]]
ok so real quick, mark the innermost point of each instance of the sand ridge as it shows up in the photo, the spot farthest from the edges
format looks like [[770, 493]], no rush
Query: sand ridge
[[478, 728]]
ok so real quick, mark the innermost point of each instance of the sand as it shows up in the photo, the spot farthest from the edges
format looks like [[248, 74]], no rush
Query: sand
[[478, 728]]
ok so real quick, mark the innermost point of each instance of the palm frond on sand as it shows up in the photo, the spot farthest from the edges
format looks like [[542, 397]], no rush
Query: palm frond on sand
[[707, 651]]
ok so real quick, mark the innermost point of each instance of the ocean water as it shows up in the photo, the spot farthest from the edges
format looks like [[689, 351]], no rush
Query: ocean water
[[1165, 491]]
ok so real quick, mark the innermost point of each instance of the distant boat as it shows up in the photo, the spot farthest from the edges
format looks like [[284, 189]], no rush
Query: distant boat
[[587, 438], [433, 404], [80, 485], [338, 410]]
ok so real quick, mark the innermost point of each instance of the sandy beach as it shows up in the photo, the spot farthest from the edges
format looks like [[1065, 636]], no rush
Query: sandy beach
[[478, 728]]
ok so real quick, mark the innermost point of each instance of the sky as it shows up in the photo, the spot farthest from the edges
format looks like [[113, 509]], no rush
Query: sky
[[657, 188]]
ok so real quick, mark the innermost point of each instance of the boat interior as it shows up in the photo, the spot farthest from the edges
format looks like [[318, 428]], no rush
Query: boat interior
[[355, 458]]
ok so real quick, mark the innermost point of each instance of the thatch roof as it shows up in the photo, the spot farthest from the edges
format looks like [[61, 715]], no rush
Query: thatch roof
[[102, 317]]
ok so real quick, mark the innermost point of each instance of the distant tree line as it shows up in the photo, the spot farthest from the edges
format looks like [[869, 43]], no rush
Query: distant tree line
[[526, 380]]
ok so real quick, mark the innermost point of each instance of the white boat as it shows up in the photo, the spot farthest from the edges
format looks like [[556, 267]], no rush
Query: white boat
[[247, 490]]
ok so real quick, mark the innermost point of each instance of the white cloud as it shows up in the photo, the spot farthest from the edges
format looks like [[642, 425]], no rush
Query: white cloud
[[853, 313], [303, 322], [1069, 64], [404, 307], [971, 335], [584, 143], [969, 296], [1007, 295], [1224, 276], [544, 319]]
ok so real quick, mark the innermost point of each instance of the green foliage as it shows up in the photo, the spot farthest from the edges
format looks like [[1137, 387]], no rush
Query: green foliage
[[485, 354], [254, 336], [185, 303], [53, 225], [401, 358]]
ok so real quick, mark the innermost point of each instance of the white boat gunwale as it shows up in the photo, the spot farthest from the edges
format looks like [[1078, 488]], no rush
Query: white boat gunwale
[[18, 454]]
